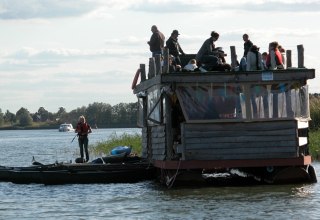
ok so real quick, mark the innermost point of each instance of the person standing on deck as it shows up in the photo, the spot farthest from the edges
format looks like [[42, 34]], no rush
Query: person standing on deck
[[247, 44], [156, 42], [83, 129], [174, 47]]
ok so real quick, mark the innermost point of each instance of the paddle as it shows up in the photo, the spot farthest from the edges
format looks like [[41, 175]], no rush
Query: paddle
[[74, 138]]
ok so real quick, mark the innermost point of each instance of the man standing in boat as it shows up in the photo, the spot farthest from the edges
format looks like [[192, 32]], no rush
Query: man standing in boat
[[83, 129], [156, 42]]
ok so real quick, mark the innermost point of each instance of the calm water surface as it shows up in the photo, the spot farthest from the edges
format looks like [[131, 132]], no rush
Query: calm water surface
[[145, 200]]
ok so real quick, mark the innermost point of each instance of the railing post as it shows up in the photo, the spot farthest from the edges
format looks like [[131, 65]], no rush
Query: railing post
[[300, 56], [165, 60], [152, 68], [143, 72], [233, 57], [289, 60], [158, 64]]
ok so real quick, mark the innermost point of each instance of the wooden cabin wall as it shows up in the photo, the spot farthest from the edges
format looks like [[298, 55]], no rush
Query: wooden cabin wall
[[144, 152], [154, 147], [251, 140]]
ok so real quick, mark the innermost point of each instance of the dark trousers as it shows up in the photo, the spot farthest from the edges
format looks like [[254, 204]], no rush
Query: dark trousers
[[83, 144]]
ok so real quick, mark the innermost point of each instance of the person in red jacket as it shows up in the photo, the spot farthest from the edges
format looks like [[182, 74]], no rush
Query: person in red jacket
[[83, 129]]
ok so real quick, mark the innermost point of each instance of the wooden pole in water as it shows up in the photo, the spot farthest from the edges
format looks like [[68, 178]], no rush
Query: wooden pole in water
[[143, 72], [300, 56], [233, 57], [152, 68], [289, 60], [158, 64]]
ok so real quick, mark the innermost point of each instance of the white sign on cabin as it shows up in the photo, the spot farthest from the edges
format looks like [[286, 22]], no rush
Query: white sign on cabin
[[267, 76]]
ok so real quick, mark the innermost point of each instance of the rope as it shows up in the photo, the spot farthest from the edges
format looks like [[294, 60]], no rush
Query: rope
[[171, 181]]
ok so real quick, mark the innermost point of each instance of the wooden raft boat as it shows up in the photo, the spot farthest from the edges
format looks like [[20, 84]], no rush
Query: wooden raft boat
[[60, 173], [195, 123]]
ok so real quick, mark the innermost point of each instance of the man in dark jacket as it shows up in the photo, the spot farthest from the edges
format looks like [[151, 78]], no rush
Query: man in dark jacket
[[247, 44], [174, 47], [156, 42]]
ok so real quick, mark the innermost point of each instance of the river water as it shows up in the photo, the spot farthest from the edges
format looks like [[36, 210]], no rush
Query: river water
[[144, 200]]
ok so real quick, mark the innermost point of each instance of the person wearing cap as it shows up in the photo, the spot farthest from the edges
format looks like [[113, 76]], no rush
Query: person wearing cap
[[174, 47], [156, 42]]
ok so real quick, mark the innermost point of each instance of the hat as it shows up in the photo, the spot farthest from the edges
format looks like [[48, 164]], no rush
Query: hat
[[175, 32]]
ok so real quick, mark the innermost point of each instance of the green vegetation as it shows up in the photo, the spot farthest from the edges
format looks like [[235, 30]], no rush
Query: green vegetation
[[99, 115], [314, 145], [133, 140]]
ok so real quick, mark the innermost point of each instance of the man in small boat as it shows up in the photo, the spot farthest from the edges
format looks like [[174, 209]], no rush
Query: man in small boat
[[156, 42], [174, 47], [83, 129]]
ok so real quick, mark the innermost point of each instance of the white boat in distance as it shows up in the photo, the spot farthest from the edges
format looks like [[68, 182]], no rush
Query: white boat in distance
[[66, 127]]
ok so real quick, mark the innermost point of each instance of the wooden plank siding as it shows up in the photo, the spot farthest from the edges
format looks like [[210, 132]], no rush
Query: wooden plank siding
[[158, 142], [250, 140]]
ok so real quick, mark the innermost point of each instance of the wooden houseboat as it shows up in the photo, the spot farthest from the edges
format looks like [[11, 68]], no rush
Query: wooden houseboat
[[253, 121]]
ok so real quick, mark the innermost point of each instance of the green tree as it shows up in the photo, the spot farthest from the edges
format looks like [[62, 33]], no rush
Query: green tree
[[24, 117], [43, 114], [99, 114], [1, 118], [9, 117]]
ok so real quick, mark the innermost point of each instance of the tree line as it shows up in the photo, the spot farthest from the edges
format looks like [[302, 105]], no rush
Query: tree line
[[103, 115], [99, 115]]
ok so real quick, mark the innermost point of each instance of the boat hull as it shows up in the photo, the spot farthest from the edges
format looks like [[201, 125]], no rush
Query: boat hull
[[78, 173]]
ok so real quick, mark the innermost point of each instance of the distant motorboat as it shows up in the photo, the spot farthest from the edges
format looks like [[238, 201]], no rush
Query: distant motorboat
[[66, 127]]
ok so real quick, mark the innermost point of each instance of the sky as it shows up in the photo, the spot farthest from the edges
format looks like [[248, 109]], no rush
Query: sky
[[72, 53]]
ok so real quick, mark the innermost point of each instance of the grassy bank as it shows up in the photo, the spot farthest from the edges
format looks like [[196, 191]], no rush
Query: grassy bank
[[135, 141], [123, 140], [314, 145]]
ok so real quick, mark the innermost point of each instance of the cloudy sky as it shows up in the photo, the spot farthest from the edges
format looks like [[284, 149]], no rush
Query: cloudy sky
[[71, 53]]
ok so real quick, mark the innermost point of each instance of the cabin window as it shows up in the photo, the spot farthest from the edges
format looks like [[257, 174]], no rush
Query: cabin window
[[280, 100], [140, 116], [243, 101], [210, 101], [154, 105]]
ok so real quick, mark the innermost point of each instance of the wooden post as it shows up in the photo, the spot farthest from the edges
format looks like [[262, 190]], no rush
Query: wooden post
[[165, 60], [300, 56], [289, 60], [152, 68], [143, 72], [158, 64], [233, 57]]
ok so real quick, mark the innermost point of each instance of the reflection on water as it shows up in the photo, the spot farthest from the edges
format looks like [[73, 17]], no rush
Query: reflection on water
[[145, 200]]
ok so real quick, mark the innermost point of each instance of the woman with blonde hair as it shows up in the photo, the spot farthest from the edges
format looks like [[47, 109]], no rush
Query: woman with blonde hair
[[83, 129]]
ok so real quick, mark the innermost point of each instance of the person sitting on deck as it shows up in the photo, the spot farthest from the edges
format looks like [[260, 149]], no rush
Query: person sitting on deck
[[274, 59], [254, 59], [210, 56], [191, 66], [174, 47], [173, 66]]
